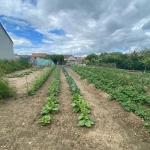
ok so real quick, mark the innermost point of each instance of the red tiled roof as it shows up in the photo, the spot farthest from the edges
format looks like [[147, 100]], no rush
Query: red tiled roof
[[39, 54]]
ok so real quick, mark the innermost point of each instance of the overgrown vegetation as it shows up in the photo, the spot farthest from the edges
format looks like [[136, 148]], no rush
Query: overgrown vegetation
[[5, 89], [8, 66], [135, 60]]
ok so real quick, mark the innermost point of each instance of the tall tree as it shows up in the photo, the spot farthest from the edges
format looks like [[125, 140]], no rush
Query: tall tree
[[57, 59], [91, 56]]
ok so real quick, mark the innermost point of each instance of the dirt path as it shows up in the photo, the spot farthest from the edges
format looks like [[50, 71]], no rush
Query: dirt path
[[114, 129]]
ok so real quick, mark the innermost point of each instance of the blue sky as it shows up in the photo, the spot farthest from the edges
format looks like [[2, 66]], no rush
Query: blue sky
[[77, 27]]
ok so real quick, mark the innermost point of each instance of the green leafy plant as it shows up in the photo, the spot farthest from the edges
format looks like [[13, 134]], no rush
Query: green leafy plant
[[79, 104], [5, 89], [84, 119], [51, 105], [128, 89], [37, 84], [30, 91], [45, 120], [147, 124]]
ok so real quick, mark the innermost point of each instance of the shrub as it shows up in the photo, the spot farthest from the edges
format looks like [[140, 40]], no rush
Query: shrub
[[5, 89]]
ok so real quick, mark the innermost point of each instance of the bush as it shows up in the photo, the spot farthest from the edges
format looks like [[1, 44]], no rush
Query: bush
[[5, 89], [8, 66]]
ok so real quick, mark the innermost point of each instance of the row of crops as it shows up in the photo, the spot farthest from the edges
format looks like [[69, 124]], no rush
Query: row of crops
[[22, 74], [130, 90], [52, 103], [79, 104], [37, 84]]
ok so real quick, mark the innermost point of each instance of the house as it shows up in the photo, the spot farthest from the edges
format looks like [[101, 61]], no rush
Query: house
[[38, 55], [6, 45], [71, 60], [79, 60]]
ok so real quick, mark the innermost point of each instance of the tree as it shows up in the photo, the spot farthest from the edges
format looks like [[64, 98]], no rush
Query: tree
[[91, 56], [57, 59]]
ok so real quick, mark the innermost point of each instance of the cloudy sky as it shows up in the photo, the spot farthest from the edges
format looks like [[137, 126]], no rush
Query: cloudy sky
[[77, 27]]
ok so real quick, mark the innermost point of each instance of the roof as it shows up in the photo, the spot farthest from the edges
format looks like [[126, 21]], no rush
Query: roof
[[39, 54], [6, 32], [80, 58], [67, 56]]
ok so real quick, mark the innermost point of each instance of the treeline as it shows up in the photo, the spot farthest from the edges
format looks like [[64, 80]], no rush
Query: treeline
[[135, 60], [57, 59]]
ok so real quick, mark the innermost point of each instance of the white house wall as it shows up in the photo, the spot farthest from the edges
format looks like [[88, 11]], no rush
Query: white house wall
[[71, 58], [6, 46]]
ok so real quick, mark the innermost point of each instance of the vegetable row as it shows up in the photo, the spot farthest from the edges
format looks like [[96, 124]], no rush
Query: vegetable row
[[22, 74], [122, 86], [38, 83], [79, 104], [52, 103]]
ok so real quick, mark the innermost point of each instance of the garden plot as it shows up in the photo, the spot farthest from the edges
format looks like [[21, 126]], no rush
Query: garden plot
[[114, 128], [22, 83]]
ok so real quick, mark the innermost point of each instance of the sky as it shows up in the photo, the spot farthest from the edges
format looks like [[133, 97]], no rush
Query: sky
[[77, 27]]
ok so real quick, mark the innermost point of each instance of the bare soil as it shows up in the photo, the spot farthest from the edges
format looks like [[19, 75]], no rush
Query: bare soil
[[21, 84], [114, 128]]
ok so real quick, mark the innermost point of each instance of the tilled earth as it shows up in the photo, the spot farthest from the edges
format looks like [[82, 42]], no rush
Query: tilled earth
[[114, 128]]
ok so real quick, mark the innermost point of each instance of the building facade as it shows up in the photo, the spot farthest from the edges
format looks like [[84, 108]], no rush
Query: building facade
[[6, 45]]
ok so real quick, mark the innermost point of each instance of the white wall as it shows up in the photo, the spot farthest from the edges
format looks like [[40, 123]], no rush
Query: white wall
[[6, 46]]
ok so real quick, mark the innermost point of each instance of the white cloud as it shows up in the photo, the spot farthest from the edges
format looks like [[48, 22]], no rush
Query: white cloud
[[15, 21], [97, 26], [19, 41]]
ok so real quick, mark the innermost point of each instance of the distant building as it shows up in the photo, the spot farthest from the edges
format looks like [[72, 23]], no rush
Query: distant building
[[38, 55], [79, 60], [6, 45], [71, 60]]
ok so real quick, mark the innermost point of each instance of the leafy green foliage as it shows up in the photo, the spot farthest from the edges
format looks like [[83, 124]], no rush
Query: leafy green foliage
[[127, 88], [79, 104], [45, 120], [136, 60], [8, 66], [5, 89], [73, 87], [57, 59], [37, 84], [84, 119], [51, 105]]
